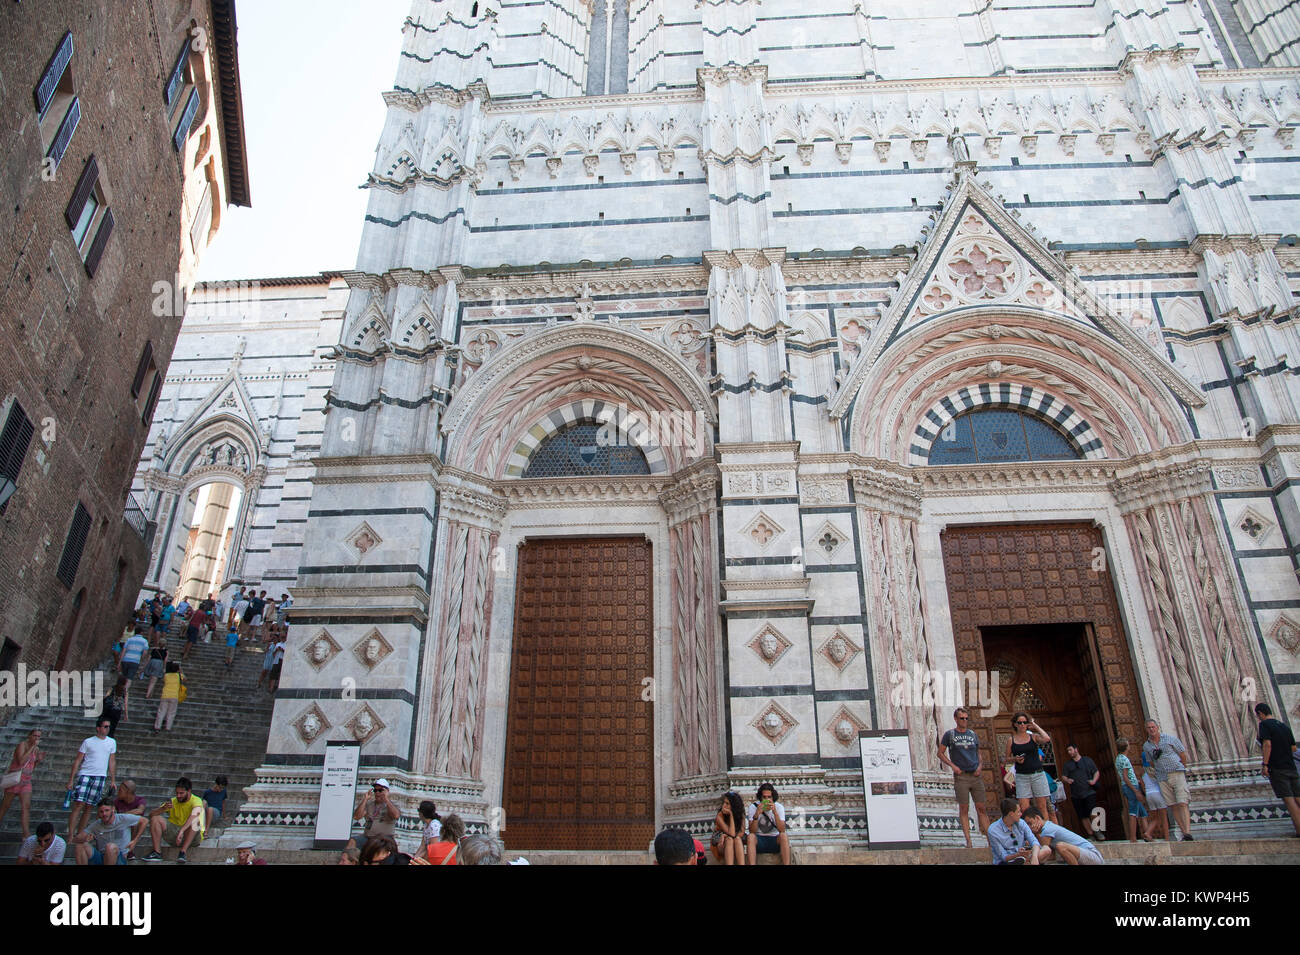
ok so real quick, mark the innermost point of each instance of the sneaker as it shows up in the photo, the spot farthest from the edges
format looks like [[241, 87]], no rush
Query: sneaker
[[130, 855], [181, 860], [153, 857], [1188, 838]]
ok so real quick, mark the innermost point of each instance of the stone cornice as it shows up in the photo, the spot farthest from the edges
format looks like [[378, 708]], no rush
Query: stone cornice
[[757, 447], [391, 279], [1052, 476], [604, 491], [576, 280], [1226, 244], [1176, 56], [738, 258], [376, 469], [694, 492], [882, 491], [1137, 490]]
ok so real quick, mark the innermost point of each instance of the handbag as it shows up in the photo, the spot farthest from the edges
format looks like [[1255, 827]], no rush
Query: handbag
[[11, 779], [182, 693]]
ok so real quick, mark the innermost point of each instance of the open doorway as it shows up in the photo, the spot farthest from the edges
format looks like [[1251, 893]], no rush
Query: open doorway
[[207, 549], [1051, 672]]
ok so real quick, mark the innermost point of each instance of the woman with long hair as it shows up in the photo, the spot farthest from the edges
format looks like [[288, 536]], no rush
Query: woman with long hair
[[26, 756], [1023, 754], [443, 852], [729, 831], [114, 708]]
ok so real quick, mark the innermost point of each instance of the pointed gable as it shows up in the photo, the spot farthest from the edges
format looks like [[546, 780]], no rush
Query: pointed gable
[[978, 254]]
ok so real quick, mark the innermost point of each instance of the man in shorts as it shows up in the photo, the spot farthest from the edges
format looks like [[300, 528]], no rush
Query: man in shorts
[[94, 769], [183, 826], [1279, 761], [1163, 750], [128, 661], [194, 630], [1080, 775], [1067, 845], [959, 750], [767, 826], [110, 838]]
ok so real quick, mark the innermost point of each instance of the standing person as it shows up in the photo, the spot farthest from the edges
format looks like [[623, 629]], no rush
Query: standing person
[[1159, 828], [1022, 750], [443, 852], [1278, 765], [183, 608], [157, 664], [277, 661], [94, 767], [728, 841], [239, 610], [432, 826], [767, 826], [959, 750], [268, 661], [128, 661], [108, 840], [44, 848], [1070, 846], [282, 609], [165, 613], [253, 615], [1011, 840], [379, 812], [27, 755], [219, 613], [1080, 775], [232, 643], [1164, 750], [194, 630], [1136, 817], [170, 700], [114, 709], [183, 824]]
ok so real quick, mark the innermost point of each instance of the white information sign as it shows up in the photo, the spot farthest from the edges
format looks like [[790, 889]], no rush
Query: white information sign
[[889, 790], [338, 794]]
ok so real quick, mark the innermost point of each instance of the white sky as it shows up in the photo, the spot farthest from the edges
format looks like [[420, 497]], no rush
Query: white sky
[[312, 72]]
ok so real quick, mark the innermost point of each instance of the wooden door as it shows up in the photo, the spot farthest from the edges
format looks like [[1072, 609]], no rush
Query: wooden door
[[579, 738]]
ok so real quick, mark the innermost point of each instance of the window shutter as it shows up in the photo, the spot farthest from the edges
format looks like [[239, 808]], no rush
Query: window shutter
[[187, 120], [85, 185], [73, 546], [142, 369], [177, 79], [64, 136], [14, 440], [101, 240], [44, 91], [156, 387]]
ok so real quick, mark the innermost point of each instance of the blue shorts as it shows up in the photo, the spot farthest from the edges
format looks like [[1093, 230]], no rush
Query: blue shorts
[[768, 845], [129, 667], [97, 857], [1135, 808]]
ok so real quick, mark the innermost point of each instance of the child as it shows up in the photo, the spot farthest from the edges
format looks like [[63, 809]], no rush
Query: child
[[1133, 794], [215, 799], [232, 641]]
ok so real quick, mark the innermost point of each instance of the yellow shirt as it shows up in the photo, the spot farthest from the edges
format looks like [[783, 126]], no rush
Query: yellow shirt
[[171, 686], [179, 812]]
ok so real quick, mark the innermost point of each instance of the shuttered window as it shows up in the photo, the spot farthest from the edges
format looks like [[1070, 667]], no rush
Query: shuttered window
[[187, 120], [15, 438], [64, 136], [54, 70], [74, 546], [101, 240], [82, 193], [142, 369], [176, 81], [149, 405]]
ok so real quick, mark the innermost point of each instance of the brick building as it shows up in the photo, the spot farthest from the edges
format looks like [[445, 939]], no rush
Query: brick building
[[122, 143]]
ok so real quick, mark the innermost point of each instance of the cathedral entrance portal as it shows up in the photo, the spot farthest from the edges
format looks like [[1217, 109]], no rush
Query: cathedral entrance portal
[[1035, 603], [579, 741]]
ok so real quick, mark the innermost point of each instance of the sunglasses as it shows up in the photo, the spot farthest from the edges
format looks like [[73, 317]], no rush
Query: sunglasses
[[1022, 722]]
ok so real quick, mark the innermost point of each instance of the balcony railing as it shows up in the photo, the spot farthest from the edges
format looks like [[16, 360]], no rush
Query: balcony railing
[[135, 517]]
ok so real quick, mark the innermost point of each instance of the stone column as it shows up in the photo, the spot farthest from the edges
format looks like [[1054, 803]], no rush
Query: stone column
[[207, 545]]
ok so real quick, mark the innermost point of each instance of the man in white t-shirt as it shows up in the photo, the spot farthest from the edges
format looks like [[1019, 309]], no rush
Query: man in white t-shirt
[[44, 848], [767, 826], [95, 765]]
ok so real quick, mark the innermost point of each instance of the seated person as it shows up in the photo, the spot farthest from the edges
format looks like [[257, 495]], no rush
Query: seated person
[[729, 846], [215, 799], [767, 826], [1012, 841], [110, 837], [184, 824], [43, 848], [1070, 846]]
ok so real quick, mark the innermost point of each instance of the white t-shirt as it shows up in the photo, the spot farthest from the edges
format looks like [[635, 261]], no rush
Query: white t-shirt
[[432, 831], [765, 826], [240, 607], [97, 752], [53, 855]]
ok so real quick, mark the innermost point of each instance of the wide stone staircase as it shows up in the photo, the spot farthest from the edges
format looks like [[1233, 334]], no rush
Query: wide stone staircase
[[221, 728]]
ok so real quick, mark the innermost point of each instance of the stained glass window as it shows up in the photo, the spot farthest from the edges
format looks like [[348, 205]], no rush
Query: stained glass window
[[998, 436], [583, 449]]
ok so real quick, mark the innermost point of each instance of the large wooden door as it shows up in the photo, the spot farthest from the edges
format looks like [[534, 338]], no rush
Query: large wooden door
[[579, 737]]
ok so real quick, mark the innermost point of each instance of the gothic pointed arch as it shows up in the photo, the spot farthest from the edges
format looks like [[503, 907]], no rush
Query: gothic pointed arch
[[525, 390], [979, 258], [226, 412]]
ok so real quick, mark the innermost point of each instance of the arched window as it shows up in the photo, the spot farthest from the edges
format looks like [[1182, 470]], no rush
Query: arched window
[[586, 448], [999, 436]]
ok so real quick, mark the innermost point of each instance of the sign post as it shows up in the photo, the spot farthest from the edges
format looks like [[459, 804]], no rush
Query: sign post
[[889, 789], [338, 794]]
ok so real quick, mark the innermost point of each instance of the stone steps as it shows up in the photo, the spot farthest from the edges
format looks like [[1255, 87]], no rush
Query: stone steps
[[221, 728]]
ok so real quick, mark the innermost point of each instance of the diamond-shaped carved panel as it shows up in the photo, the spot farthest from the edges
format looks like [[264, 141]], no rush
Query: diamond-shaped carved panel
[[364, 725], [311, 724], [321, 650], [363, 539], [770, 644], [774, 722], [839, 650], [371, 649], [844, 727]]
